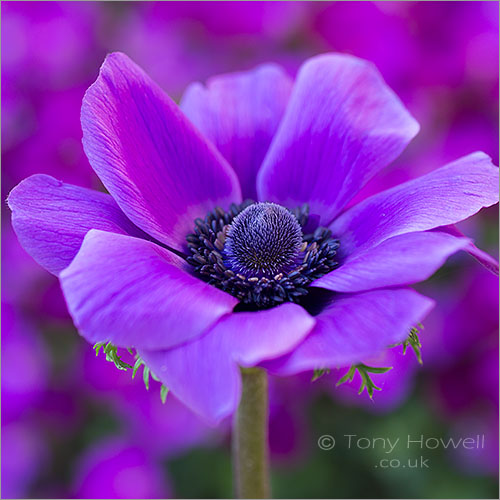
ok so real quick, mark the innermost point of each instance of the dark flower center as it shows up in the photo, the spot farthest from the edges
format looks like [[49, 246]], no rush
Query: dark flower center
[[263, 240], [259, 253]]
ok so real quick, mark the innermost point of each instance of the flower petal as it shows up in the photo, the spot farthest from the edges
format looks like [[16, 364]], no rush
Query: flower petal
[[484, 258], [444, 196], [240, 113], [256, 336], [354, 327], [342, 125], [402, 260], [135, 293], [201, 374], [51, 218], [156, 165]]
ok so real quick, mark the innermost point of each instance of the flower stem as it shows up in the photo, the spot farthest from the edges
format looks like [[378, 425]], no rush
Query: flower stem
[[250, 441]]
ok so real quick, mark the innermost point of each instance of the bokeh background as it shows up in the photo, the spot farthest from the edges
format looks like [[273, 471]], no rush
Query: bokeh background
[[73, 426]]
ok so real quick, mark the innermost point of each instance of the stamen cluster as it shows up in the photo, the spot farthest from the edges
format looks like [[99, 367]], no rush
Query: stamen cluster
[[263, 240], [219, 257]]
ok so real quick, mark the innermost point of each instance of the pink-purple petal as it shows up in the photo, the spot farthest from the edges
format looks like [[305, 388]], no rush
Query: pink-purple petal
[[252, 337], [445, 196], [135, 293], [240, 113], [401, 260], [484, 258], [202, 374], [354, 327], [51, 218], [160, 170], [342, 125]]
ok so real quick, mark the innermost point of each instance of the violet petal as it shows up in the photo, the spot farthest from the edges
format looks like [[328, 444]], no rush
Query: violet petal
[[160, 170], [135, 293]]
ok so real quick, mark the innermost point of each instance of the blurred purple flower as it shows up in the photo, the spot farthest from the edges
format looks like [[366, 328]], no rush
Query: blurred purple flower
[[21, 346], [24, 453], [441, 44], [179, 42], [116, 468], [55, 147], [466, 320], [46, 44], [271, 20], [461, 351], [467, 395], [46, 47], [130, 283], [24, 380]]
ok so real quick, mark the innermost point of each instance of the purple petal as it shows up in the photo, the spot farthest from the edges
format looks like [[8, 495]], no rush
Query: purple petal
[[402, 260], [156, 165], [444, 196], [204, 373], [354, 327], [256, 336], [51, 218], [485, 259], [135, 293], [342, 125], [201, 374], [240, 113]]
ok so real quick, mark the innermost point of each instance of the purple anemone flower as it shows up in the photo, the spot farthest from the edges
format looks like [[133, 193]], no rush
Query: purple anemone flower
[[179, 263]]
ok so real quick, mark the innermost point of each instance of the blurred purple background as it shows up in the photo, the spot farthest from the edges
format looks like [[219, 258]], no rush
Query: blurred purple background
[[74, 426]]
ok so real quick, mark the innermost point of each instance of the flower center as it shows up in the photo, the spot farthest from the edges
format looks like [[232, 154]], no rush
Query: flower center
[[259, 253], [263, 240]]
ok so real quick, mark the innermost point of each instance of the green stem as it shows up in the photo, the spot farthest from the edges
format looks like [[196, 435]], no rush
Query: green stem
[[250, 441]]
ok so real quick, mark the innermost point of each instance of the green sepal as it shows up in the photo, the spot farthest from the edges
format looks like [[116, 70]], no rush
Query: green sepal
[[413, 341], [348, 376], [415, 344], [111, 352], [163, 393], [145, 377], [364, 371], [138, 363], [98, 346], [319, 372]]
